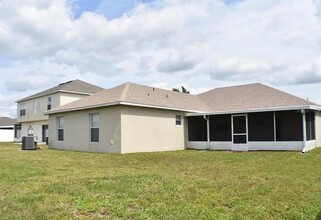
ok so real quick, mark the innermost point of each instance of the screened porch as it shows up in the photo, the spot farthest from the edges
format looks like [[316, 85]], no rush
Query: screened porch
[[274, 130]]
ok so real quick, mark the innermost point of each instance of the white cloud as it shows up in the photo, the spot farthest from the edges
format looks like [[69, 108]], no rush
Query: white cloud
[[196, 43]]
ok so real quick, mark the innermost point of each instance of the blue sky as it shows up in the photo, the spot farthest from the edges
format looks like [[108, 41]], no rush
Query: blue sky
[[200, 44], [114, 8], [109, 8]]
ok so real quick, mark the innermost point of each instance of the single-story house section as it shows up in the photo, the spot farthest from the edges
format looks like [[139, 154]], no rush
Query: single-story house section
[[6, 129], [135, 118], [254, 117]]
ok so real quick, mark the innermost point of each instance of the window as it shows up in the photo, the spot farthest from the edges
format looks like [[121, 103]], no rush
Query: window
[[49, 103], [94, 127], [22, 109], [60, 125], [178, 120], [35, 105]]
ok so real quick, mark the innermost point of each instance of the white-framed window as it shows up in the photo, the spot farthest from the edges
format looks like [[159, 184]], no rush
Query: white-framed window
[[48, 103], [35, 107], [178, 119], [94, 127], [60, 128], [22, 109]]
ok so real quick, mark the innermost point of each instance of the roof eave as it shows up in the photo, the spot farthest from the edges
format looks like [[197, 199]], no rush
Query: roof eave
[[50, 93], [310, 107], [79, 109], [121, 103], [160, 107]]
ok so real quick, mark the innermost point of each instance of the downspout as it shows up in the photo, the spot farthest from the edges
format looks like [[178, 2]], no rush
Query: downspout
[[208, 131], [304, 132]]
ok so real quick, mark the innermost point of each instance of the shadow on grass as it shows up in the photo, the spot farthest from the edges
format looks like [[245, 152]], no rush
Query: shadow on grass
[[318, 216]]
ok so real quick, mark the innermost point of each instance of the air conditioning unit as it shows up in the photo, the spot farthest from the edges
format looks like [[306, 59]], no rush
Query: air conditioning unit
[[28, 143]]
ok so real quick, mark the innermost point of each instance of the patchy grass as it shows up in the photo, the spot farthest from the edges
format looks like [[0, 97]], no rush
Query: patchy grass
[[53, 184]]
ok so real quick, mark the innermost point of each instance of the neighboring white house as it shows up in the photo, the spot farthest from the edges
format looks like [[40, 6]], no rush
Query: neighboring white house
[[31, 120], [6, 129], [135, 118]]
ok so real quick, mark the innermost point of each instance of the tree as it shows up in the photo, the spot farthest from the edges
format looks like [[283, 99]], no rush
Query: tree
[[183, 90]]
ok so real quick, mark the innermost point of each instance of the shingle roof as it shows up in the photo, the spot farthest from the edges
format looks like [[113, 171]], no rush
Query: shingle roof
[[235, 98], [5, 121], [74, 86], [250, 97], [131, 93]]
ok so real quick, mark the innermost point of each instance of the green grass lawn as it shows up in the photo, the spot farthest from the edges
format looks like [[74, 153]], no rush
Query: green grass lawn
[[53, 184]]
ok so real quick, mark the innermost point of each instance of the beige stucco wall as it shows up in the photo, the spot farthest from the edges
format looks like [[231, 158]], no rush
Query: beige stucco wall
[[57, 99], [41, 108], [37, 129], [148, 130], [318, 129], [37, 119], [77, 131], [66, 98]]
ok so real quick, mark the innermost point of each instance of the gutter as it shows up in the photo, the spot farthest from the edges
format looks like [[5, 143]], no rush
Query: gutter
[[241, 111], [304, 150], [50, 93], [119, 103], [208, 131]]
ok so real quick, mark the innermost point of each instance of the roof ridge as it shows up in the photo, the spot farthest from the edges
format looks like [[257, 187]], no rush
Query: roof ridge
[[123, 94], [163, 89], [226, 87]]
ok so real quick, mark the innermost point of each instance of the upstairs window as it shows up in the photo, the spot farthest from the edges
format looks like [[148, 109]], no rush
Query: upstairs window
[[35, 106], [48, 103], [178, 119], [94, 127], [22, 109], [60, 130]]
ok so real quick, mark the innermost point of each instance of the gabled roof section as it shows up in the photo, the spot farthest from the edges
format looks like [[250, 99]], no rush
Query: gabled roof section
[[5, 121], [139, 95], [250, 97], [74, 86]]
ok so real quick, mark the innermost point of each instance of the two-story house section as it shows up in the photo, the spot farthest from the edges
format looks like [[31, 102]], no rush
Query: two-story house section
[[31, 120]]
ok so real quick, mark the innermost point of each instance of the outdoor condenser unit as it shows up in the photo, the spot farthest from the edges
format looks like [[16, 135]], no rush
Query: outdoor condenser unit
[[28, 143]]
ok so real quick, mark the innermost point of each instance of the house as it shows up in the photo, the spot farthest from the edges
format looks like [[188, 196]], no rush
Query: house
[[6, 129], [135, 118], [31, 120]]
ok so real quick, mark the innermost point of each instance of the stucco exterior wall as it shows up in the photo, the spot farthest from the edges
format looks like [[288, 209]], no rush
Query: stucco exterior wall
[[77, 131], [57, 99], [149, 130], [66, 98], [318, 129], [31, 115], [37, 129], [36, 118]]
